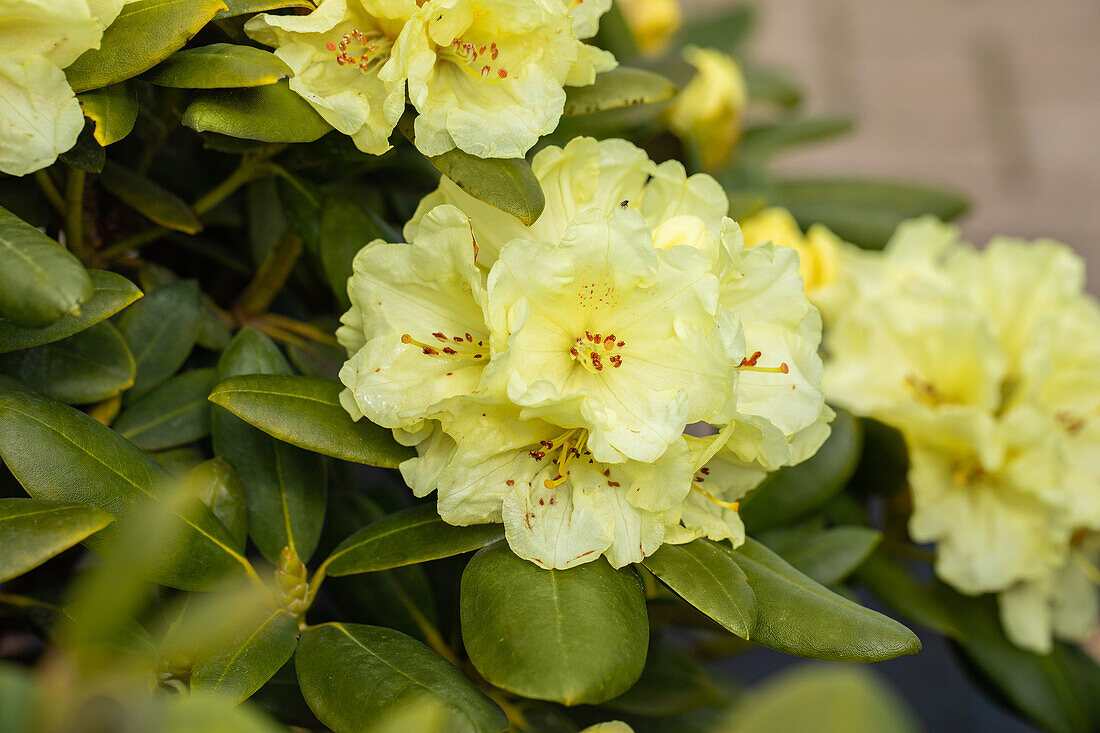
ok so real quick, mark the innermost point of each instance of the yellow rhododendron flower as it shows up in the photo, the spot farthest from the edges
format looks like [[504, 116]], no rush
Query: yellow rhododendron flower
[[487, 76], [819, 250], [988, 362], [652, 23], [707, 113], [548, 375], [342, 58], [39, 113]]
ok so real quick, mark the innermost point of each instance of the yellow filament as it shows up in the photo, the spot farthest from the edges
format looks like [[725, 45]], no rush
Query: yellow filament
[[731, 505]]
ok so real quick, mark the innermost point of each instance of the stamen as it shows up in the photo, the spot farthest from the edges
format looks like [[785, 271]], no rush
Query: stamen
[[430, 350], [731, 505], [748, 364]]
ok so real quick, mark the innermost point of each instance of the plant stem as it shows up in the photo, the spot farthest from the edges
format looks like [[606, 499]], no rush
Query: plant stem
[[307, 330], [48, 188], [74, 211], [271, 276]]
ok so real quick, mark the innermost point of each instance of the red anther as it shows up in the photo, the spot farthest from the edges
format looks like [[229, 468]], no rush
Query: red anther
[[502, 73], [470, 338], [449, 350], [330, 46], [621, 344], [439, 335], [574, 351], [609, 342], [784, 368]]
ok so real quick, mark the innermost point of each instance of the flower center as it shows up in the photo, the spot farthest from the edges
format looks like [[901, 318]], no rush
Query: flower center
[[457, 347], [481, 60], [373, 49], [568, 446], [595, 352]]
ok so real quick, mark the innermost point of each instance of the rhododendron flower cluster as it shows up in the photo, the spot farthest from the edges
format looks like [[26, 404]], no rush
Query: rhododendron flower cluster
[[988, 362], [548, 375]]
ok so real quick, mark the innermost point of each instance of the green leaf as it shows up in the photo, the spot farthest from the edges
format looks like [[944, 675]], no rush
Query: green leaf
[[157, 204], [768, 139], [671, 683], [110, 294], [620, 87], [408, 537], [173, 414], [284, 486], [831, 555], [219, 487], [281, 698], [505, 183], [799, 616], [90, 366], [246, 7], [32, 531], [87, 154], [161, 331], [219, 66], [723, 31], [113, 110], [145, 33], [345, 229], [796, 491], [767, 85], [823, 699], [572, 636], [272, 113], [250, 659], [60, 454], [355, 677], [40, 281], [864, 211], [705, 576], [301, 203], [306, 412]]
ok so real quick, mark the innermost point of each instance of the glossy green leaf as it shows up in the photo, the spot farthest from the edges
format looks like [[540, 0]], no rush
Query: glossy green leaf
[[355, 677], [145, 33], [40, 281], [161, 331], [60, 454], [113, 110], [799, 616], [284, 486], [271, 113], [864, 211], [345, 229], [672, 682], [704, 575], [832, 555], [572, 636], [306, 412], [90, 366], [157, 204], [219, 66], [768, 139], [505, 183], [111, 293], [219, 487], [32, 531], [620, 87], [246, 7], [87, 154], [242, 666], [173, 414], [795, 491], [823, 699], [281, 698], [408, 537]]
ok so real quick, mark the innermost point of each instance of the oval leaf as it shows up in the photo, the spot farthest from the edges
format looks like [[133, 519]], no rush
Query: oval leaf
[[508, 184], [355, 677], [32, 531], [157, 204], [161, 331], [219, 66], [111, 293], [250, 659], [114, 111], [272, 113], [620, 87], [246, 7], [796, 615], [705, 576], [145, 33], [306, 412], [60, 454], [173, 414], [219, 487], [345, 227], [572, 636], [408, 537], [40, 281], [90, 366], [284, 486], [795, 491], [771, 138]]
